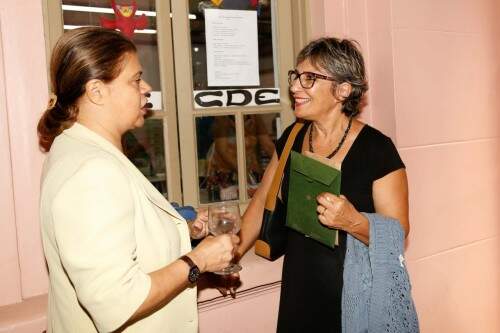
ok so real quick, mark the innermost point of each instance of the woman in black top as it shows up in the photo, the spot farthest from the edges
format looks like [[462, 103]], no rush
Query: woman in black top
[[327, 87]]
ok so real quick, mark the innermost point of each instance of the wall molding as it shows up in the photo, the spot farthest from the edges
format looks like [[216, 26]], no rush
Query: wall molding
[[241, 296]]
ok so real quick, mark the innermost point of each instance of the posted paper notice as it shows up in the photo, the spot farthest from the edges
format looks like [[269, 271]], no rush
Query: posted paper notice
[[232, 48]]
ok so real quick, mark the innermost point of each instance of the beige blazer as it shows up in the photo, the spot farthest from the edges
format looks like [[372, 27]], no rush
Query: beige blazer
[[104, 227]]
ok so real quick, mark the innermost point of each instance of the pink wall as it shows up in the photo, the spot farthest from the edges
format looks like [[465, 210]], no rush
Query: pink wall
[[9, 259], [255, 309], [434, 71], [23, 92]]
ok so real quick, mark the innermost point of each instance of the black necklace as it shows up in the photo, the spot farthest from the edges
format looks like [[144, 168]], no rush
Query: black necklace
[[336, 150]]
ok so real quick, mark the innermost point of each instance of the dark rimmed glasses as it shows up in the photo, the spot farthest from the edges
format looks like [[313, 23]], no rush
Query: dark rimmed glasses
[[306, 79]]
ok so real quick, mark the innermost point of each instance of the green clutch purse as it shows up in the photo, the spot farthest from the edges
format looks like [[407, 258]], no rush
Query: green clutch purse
[[309, 178]]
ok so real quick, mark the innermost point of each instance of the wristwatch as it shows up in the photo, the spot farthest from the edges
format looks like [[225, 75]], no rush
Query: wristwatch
[[194, 271]]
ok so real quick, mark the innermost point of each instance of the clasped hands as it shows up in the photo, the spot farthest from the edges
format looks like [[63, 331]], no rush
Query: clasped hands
[[198, 229]]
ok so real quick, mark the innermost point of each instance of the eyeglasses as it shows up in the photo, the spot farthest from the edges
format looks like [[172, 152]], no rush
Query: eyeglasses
[[306, 79]]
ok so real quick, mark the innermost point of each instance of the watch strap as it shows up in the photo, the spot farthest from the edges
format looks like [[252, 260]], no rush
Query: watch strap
[[194, 271], [188, 261]]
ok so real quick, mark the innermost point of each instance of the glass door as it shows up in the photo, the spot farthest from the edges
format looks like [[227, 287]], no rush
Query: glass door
[[234, 101]]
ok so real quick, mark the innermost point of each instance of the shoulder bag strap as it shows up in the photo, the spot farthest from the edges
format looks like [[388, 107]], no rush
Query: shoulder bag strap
[[278, 175]]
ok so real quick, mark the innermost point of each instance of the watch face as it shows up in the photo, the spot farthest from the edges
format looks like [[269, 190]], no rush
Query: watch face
[[194, 274]]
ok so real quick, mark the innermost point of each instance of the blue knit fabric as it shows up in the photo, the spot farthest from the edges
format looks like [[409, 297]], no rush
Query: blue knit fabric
[[376, 296]]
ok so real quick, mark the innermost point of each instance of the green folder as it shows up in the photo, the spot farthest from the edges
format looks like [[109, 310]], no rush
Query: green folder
[[309, 178]]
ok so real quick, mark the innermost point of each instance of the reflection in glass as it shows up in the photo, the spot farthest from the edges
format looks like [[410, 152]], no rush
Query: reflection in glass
[[217, 154], [260, 138], [265, 37], [145, 148], [217, 158]]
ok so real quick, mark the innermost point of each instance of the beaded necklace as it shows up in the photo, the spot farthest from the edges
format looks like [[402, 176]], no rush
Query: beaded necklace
[[336, 150]]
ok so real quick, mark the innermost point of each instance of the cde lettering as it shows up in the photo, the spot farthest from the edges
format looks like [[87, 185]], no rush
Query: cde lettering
[[206, 104], [260, 97], [236, 97], [247, 97]]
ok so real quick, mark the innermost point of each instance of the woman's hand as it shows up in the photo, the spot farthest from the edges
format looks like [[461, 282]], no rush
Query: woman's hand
[[199, 227], [337, 212], [215, 253]]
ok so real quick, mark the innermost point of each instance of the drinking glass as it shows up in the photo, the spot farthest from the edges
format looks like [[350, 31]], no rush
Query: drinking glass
[[224, 218]]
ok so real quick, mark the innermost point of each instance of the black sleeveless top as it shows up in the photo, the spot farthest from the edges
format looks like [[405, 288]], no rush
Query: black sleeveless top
[[312, 280]]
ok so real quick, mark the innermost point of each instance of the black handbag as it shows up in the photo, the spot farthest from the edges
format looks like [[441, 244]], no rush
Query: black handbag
[[272, 240]]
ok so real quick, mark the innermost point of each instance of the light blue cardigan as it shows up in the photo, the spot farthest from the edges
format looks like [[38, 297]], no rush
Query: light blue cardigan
[[377, 293]]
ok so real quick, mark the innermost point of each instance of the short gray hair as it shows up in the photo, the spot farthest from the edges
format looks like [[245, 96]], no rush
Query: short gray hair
[[342, 60]]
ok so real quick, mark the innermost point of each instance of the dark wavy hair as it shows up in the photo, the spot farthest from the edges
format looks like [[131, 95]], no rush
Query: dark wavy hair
[[343, 61], [80, 55]]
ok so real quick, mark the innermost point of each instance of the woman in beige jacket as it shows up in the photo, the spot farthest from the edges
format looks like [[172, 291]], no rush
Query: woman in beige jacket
[[119, 255]]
